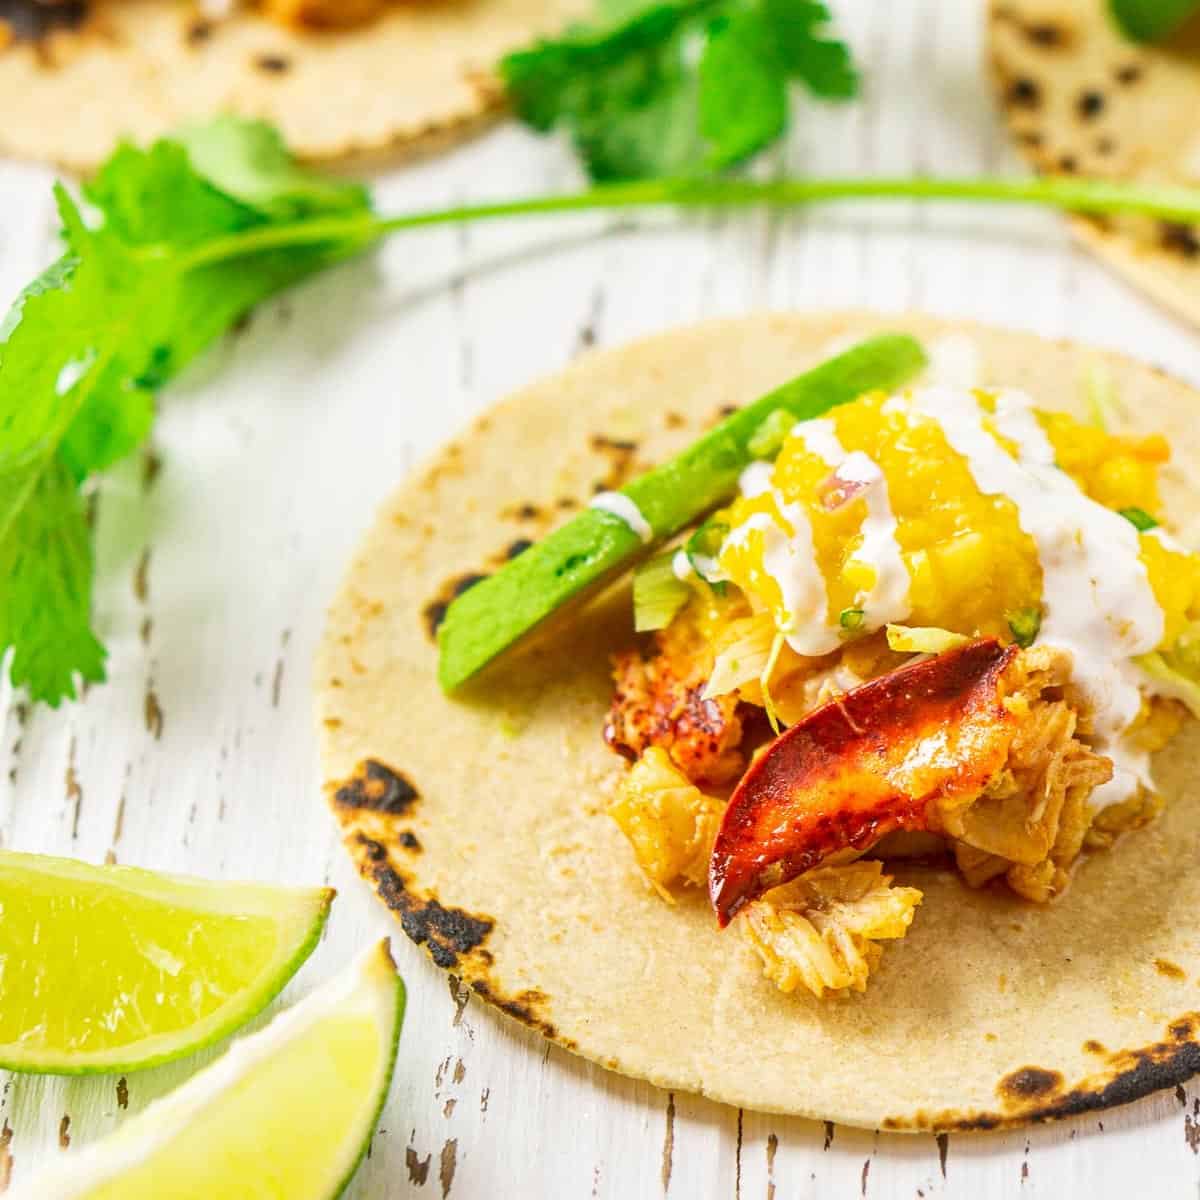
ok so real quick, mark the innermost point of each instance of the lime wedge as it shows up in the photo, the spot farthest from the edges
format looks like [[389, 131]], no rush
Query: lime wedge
[[286, 1114], [115, 968]]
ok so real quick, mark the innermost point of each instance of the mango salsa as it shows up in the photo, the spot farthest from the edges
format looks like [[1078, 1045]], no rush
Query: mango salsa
[[971, 567]]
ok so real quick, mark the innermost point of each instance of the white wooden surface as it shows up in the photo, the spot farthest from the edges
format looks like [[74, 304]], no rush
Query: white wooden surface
[[215, 567]]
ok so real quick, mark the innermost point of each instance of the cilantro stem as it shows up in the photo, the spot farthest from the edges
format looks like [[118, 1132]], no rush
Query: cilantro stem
[[1088, 196]]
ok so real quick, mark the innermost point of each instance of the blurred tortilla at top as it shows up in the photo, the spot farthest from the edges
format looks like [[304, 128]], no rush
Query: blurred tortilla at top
[[413, 79], [1079, 98]]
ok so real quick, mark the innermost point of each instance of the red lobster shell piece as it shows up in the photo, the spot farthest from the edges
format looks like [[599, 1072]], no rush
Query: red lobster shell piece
[[872, 761]]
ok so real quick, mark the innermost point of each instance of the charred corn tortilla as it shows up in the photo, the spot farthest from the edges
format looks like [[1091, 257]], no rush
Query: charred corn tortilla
[[1079, 98], [480, 820], [414, 78]]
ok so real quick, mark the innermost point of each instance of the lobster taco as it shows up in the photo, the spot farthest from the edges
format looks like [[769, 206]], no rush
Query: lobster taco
[[1081, 97], [339, 78], [817, 691]]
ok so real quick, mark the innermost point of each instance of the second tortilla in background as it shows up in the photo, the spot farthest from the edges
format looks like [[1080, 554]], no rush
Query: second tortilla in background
[[1081, 99], [416, 77]]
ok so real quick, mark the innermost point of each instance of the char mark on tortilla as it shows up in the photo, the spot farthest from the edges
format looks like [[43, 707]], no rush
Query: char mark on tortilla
[[377, 787]]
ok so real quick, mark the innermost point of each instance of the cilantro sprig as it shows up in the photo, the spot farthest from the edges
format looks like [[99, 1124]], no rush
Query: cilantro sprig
[[682, 87], [175, 243], [88, 344], [1152, 20]]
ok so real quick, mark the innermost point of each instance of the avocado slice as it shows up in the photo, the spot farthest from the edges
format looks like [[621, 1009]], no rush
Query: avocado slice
[[590, 548]]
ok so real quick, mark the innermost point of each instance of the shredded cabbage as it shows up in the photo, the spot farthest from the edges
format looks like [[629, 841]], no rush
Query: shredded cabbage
[[914, 639], [1169, 681], [744, 654], [1185, 654], [1101, 393], [765, 682], [658, 594]]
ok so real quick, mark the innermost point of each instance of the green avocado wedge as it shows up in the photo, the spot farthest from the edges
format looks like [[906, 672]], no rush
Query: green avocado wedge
[[589, 549]]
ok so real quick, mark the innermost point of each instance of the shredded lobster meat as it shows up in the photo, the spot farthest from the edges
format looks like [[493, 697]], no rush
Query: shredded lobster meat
[[1034, 813], [981, 751], [822, 930], [669, 822]]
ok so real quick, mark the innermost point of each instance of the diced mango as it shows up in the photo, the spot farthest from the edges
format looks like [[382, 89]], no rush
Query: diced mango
[[970, 564]]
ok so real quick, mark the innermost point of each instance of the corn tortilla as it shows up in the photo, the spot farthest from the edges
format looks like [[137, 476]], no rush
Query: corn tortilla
[[479, 820], [416, 78], [1081, 99]]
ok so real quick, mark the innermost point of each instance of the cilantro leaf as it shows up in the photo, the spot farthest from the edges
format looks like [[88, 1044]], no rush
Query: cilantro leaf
[[156, 197], [655, 137], [1152, 20], [732, 66], [46, 561], [822, 64], [678, 87], [88, 344], [623, 88], [248, 161]]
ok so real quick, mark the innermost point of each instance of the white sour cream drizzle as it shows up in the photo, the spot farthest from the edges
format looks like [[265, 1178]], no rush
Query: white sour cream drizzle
[[888, 598], [791, 561], [681, 566], [1167, 541], [619, 505], [1096, 596], [820, 438], [755, 480]]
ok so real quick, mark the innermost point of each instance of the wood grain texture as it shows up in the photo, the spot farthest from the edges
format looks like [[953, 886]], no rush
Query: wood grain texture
[[219, 550]]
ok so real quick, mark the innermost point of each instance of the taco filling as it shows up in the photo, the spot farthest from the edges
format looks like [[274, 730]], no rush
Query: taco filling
[[941, 621]]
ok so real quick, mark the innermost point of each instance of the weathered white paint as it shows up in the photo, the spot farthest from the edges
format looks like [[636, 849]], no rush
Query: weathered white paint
[[198, 755]]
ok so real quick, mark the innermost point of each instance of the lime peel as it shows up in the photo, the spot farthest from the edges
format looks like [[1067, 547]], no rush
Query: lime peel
[[115, 969], [244, 1125]]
